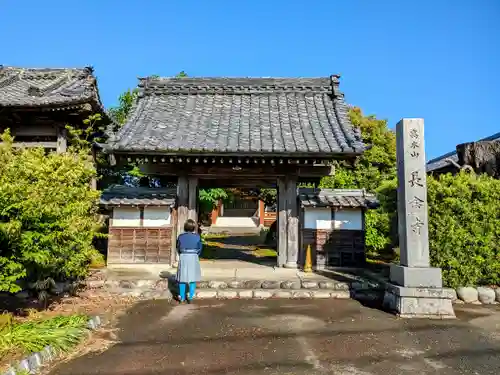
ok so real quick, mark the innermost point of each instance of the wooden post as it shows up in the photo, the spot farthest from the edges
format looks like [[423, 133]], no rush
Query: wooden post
[[281, 217], [62, 143], [216, 212], [182, 203], [261, 213], [193, 199], [173, 221], [293, 223]]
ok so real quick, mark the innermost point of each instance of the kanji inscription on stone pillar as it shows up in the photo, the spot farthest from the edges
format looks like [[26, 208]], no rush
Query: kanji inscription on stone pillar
[[412, 193]]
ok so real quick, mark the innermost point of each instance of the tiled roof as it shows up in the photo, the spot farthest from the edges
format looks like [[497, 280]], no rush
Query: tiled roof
[[119, 195], [442, 161], [340, 198], [20, 87], [239, 115]]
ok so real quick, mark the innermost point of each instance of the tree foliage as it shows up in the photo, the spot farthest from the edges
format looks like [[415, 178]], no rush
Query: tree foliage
[[377, 164], [125, 103], [48, 213], [375, 171]]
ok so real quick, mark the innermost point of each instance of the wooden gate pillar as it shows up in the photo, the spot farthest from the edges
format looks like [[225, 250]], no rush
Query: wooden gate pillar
[[193, 199], [293, 223], [182, 203], [282, 219]]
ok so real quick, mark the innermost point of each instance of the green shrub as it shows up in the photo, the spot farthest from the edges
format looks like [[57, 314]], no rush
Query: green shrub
[[464, 228], [47, 214]]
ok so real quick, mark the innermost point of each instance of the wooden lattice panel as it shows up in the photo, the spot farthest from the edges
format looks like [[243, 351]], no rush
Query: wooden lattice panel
[[335, 248], [139, 245]]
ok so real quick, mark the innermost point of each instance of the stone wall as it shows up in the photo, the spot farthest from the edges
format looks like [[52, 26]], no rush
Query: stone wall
[[140, 245], [334, 248]]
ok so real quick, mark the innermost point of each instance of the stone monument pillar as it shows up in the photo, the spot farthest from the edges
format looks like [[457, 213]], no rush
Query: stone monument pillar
[[415, 289]]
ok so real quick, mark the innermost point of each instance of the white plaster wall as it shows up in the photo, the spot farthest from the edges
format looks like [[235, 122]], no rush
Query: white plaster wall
[[156, 216], [349, 219], [318, 218], [236, 222], [126, 217]]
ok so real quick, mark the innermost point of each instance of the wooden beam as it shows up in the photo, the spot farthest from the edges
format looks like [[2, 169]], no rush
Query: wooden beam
[[43, 130], [281, 217], [293, 223], [52, 145], [221, 171]]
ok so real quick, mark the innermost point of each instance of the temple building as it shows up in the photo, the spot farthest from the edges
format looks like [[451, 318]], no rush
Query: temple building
[[37, 104]]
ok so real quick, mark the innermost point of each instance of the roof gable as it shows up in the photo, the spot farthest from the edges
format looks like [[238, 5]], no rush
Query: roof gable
[[120, 195], [443, 161], [337, 198], [239, 116], [47, 87]]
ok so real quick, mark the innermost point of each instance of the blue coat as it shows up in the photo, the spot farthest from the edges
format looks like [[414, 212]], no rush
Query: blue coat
[[189, 243], [189, 248]]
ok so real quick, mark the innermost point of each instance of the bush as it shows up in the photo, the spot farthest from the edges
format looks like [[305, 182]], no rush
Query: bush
[[464, 228], [47, 215]]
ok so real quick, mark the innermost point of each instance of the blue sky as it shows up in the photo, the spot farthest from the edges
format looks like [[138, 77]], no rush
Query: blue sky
[[435, 59]]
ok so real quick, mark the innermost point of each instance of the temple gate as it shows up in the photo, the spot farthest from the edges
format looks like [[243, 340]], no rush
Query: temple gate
[[239, 132]]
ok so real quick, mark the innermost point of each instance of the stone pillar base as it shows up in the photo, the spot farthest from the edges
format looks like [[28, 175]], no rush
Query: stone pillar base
[[422, 302], [416, 277]]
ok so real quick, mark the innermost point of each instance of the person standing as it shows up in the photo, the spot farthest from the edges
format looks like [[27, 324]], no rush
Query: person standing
[[188, 271]]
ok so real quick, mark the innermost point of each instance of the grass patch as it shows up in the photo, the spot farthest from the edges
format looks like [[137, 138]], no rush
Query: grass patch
[[24, 337], [263, 252], [215, 250], [213, 236]]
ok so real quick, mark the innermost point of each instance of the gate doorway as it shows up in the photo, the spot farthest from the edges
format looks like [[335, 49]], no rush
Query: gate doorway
[[233, 225]]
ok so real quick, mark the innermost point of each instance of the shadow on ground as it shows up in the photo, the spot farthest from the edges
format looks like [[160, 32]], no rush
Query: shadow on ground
[[287, 336], [246, 248]]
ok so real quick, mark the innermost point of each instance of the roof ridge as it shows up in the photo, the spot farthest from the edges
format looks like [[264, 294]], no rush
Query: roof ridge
[[237, 85], [42, 69]]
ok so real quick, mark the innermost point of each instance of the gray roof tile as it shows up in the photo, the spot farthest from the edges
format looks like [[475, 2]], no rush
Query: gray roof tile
[[119, 195], [22, 87], [338, 198], [239, 115]]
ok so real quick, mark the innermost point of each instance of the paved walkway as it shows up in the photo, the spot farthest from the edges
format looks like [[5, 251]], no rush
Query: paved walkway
[[294, 337]]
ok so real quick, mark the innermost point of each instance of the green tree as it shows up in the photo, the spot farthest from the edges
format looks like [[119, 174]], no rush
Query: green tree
[[375, 171], [376, 165], [125, 103]]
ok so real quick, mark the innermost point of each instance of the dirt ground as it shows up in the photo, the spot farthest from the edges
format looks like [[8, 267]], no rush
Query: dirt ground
[[291, 337], [90, 302]]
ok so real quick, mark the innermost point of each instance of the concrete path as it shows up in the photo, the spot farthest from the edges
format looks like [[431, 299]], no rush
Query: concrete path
[[226, 269], [294, 337]]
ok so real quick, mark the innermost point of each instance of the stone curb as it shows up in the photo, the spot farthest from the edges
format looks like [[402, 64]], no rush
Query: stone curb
[[163, 284], [270, 293], [34, 361], [481, 295]]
